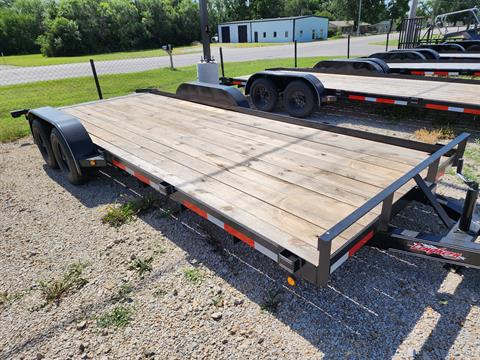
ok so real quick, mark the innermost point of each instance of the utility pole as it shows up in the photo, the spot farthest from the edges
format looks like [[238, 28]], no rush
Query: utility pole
[[207, 68], [359, 16], [207, 57], [412, 14]]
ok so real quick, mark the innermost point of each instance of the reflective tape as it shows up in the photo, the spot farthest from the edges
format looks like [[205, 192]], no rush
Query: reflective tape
[[232, 231]]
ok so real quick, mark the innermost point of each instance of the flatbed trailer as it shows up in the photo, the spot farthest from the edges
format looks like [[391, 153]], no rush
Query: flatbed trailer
[[437, 68], [265, 87], [305, 194]]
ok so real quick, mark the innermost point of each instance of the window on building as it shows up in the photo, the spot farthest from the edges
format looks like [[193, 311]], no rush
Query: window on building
[[286, 34], [301, 33], [313, 34], [264, 35], [274, 34]]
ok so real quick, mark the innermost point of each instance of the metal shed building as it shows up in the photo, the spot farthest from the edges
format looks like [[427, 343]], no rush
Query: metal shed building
[[300, 28]]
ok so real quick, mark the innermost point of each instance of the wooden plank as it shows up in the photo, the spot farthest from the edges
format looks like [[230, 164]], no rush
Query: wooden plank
[[202, 191], [259, 170], [349, 143], [346, 167], [290, 198], [306, 147]]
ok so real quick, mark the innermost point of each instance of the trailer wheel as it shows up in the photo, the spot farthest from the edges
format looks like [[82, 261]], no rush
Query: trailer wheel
[[299, 99], [40, 132], [65, 160], [264, 94], [474, 48]]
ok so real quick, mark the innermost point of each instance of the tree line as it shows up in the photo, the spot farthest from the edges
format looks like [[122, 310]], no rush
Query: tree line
[[75, 27]]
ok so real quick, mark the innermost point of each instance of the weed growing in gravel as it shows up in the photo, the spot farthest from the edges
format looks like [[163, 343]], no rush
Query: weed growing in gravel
[[160, 292], [433, 136], [271, 301], [159, 249], [218, 300], [194, 275], [7, 298], [72, 280], [123, 293], [119, 316], [142, 266], [119, 215]]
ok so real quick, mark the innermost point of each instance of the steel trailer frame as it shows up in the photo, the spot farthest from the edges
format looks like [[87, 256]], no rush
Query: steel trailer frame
[[376, 97], [461, 250]]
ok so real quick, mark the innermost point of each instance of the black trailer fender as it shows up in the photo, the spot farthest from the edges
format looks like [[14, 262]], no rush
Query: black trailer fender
[[401, 55], [211, 94], [79, 143], [282, 79], [353, 66]]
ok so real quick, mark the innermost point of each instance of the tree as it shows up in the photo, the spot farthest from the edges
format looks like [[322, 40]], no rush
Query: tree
[[62, 38], [263, 9], [373, 11]]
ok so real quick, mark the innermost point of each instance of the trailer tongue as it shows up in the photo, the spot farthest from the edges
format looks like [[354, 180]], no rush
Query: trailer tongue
[[306, 195]]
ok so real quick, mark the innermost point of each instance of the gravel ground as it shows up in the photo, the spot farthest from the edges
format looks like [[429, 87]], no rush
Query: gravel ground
[[202, 301]]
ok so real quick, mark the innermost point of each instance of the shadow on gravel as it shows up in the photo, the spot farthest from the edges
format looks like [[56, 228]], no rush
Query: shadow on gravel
[[376, 304]]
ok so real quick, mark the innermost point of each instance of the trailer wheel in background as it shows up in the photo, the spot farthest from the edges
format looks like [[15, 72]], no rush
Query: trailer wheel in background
[[299, 99], [264, 94], [474, 48], [41, 135], [65, 160]]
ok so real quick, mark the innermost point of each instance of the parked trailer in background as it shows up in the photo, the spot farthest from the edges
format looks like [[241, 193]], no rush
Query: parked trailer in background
[[302, 91], [306, 195]]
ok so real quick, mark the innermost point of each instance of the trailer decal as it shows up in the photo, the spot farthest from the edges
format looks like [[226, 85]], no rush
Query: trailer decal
[[433, 250], [232, 231]]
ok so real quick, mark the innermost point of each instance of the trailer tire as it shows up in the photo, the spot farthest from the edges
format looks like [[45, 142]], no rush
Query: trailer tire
[[41, 136], [299, 99], [65, 160], [474, 48], [264, 94]]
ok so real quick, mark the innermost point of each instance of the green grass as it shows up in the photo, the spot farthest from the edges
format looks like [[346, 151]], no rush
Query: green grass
[[392, 43], [271, 301], [72, 91], [7, 298], [120, 316], [40, 60], [142, 266], [118, 215], [194, 275], [54, 290], [471, 169], [124, 293]]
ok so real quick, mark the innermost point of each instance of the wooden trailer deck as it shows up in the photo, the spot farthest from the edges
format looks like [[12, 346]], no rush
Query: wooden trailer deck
[[287, 183]]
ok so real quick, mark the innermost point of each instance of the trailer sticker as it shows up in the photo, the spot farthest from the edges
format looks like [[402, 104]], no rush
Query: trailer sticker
[[244, 238], [433, 250]]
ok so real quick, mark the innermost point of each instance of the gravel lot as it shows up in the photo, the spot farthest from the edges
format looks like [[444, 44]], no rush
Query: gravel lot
[[200, 301]]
